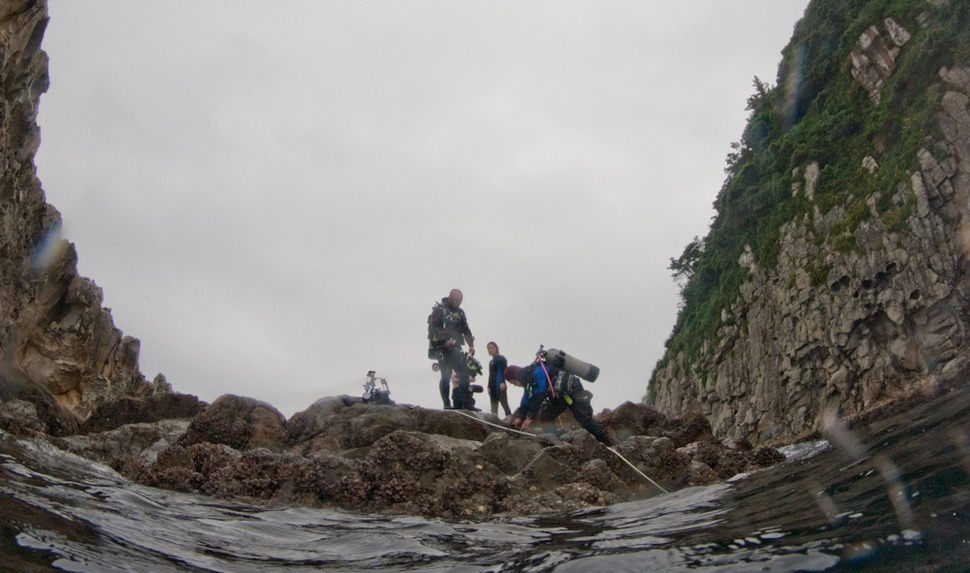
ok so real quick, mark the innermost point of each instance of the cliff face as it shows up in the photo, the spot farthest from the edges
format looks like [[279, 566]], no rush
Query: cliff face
[[830, 328], [54, 333]]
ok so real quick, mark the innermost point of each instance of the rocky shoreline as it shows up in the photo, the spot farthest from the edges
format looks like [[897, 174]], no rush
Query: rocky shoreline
[[401, 459]]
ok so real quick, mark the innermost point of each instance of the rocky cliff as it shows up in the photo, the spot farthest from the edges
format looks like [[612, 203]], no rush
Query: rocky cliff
[[57, 342], [867, 301]]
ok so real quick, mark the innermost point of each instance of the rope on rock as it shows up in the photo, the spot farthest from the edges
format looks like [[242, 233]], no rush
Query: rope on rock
[[508, 429], [636, 469], [487, 423]]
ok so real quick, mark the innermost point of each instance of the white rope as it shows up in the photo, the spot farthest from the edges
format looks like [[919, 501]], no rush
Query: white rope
[[637, 469], [487, 423]]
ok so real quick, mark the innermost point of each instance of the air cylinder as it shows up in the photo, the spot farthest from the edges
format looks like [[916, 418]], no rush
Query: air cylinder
[[573, 365]]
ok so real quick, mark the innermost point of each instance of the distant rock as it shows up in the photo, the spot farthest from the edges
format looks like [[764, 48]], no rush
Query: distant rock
[[238, 422], [115, 447], [127, 410]]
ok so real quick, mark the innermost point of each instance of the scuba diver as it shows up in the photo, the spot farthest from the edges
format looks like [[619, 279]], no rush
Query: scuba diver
[[447, 331], [497, 390], [466, 400], [551, 386]]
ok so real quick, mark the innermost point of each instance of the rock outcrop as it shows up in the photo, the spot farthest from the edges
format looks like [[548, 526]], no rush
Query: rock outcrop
[[53, 327], [342, 452], [849, 329], [875, 60]]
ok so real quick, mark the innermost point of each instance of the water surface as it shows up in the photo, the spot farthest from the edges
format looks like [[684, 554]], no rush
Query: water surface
[[894, 497]]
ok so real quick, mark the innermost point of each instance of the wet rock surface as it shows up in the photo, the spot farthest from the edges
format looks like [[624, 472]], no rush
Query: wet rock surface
[[341, 452]]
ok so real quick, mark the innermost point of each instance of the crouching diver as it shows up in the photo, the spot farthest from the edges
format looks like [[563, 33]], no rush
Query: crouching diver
[[548, 392]]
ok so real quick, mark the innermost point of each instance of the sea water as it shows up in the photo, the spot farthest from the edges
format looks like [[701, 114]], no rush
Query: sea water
[[899, 500]]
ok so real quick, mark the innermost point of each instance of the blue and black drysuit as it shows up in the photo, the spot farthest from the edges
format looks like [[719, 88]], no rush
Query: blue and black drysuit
[[543, 402], [496, 377]]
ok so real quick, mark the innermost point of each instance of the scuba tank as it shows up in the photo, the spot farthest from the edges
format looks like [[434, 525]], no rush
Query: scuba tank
[[570, 364]]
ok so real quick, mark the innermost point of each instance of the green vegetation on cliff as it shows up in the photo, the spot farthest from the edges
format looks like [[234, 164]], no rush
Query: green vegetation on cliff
[[817, 112]]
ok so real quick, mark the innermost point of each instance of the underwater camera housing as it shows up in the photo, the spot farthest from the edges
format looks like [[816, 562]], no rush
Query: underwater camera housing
[[570, 364], [471, 363]]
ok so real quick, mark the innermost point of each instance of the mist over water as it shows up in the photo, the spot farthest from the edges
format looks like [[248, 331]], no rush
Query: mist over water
[[828, 508]]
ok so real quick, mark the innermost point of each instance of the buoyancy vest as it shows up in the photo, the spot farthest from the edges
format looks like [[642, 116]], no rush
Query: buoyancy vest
[[446, 323]]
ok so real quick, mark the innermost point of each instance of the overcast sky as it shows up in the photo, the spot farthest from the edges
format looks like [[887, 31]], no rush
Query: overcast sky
[[272, 195]]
